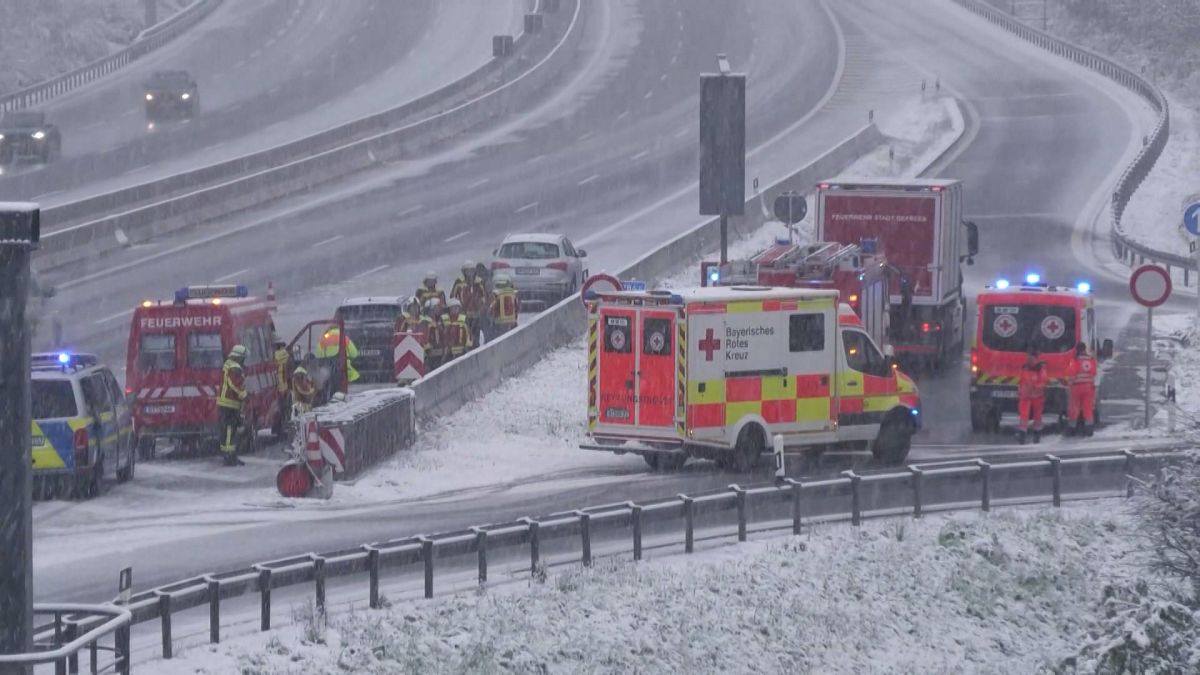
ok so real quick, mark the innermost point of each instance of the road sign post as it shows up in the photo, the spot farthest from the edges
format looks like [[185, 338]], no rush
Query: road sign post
[[18, 237], [1150, 286]]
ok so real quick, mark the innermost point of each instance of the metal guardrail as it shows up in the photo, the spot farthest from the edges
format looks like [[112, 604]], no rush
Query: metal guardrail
[[1125, 248], [682, 520], [82, 229], [74, 628], [149, 40]]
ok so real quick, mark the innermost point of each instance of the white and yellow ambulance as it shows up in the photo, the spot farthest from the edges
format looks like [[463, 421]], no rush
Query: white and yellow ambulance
[[717, 372]]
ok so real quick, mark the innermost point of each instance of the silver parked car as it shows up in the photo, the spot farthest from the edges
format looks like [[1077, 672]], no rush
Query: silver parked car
[[545, 268]]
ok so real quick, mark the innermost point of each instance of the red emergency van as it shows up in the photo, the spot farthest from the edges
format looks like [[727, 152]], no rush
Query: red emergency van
[[176, 351], [1010, 320]]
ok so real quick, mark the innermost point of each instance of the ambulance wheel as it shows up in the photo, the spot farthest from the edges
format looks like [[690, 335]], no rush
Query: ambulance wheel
[[748, 450], [895, 439], [145, 447]]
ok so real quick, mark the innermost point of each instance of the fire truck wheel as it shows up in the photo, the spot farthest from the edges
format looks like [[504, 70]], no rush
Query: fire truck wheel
[[895, 439], [145, 447], [748, 450]]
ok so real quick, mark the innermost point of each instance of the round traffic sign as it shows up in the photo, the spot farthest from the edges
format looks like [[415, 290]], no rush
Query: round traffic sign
[[790, 207], [601, 283], [1191, 219], [1150, 285]]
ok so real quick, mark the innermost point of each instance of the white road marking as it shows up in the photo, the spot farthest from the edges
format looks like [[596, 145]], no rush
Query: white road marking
[[528, 206], [586, 135], [114, 317], [663, 77], [640, 155], [255, 54], [479, 183], [648, 94], [538, 158], [460, 235], [127, 113], [623, 115], [589, 179], [227, 277], [239, 65], [371, 271], [410, 210], [682, 132], [330, 240]]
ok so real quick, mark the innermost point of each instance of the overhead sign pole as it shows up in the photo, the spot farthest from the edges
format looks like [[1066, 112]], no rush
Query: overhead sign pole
[[1150, 286], [19, 229], [723, 147]]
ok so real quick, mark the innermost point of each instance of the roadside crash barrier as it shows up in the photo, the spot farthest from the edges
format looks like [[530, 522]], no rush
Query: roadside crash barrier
[[451, 386], [149, 40], [1125, 248], [680, 523], [368, 428], [82, 229]]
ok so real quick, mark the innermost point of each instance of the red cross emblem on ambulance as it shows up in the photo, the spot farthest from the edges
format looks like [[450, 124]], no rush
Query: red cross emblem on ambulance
[[709, 345]]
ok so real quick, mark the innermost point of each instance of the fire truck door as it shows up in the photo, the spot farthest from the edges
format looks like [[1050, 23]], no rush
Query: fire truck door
[[617, 363], [656, 379]]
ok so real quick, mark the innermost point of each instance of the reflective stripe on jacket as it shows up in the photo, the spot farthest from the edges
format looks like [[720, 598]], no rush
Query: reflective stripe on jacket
[[281, 374], [457, 336], [505, 306], [233, 386]]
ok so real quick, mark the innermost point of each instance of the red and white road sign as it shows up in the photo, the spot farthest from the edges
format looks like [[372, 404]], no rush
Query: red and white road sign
[[601, 283], [408, 353], [1150, 285]]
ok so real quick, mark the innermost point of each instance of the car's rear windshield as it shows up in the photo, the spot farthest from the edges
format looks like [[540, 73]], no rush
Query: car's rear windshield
[[360, 313], [1017, 328], [204, 351], [156, 352], [529, 250], [53, 398]]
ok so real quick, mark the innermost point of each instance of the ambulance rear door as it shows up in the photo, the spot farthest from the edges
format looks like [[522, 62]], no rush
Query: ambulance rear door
[[617, 365], [637, 364]]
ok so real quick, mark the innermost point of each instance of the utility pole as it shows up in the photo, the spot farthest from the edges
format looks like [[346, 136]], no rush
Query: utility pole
[[19, 231]]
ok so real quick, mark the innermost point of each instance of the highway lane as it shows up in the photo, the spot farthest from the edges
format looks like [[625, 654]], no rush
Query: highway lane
[[284, 69]]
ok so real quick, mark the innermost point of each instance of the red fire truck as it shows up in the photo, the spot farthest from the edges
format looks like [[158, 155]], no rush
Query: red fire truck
[[176, 351], [1010, 320], [918, 222], [859, 272]]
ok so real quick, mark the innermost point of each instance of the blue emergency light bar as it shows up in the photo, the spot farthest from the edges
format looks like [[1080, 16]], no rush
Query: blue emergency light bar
[[208, 292], [1083, 287], [63, 360], [1001, 284]]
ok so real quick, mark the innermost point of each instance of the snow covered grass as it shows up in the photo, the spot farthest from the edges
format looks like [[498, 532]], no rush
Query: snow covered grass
[[43, 38], [999, 593]]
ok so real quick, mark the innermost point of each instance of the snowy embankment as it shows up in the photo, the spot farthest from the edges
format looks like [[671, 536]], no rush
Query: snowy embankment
[[1155, 213], [1007, 592], [534, 423], [43, 38]]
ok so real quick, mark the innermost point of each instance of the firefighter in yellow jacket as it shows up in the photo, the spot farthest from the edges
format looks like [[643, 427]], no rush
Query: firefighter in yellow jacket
[[283, 379], [506, 306], [456, 332], [229, 403]]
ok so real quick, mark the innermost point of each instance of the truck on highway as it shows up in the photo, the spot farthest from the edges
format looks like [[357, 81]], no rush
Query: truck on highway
[[919, 223], [717, 373]]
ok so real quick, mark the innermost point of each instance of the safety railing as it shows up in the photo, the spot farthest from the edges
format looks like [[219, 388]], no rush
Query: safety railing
[[1125, 247], [149, 40], [670, 524], [72, 629], [80, 229]]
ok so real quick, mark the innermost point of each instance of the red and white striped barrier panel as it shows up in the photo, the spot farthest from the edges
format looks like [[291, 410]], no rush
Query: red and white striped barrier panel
[[408, 352]]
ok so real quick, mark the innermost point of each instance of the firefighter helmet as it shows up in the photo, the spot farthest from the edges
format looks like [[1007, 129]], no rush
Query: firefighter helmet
[[238, 352], [430, 276], [454, 304], [502, 281], [468, 265]]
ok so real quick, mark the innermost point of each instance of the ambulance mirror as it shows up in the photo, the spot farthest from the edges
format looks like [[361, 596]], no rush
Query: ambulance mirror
[[1106, 349]]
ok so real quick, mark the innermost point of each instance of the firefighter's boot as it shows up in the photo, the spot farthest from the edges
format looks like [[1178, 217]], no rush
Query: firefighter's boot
[[1021, 437], [1037, 436]]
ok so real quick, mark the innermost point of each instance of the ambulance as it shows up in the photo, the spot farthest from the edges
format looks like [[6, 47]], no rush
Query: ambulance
[[716, 373], [1009, 321], [175, 354]]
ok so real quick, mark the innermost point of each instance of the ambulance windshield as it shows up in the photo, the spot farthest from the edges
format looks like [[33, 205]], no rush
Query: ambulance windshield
[[1016, 328]]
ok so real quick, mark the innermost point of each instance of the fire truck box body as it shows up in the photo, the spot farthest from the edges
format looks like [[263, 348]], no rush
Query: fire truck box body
[[919, 224], [687, 373], [1008, 322]]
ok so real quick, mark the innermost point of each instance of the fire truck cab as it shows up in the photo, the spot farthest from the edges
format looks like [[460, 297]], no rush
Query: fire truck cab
[[716, 373], [1011, 320], [175, 354]]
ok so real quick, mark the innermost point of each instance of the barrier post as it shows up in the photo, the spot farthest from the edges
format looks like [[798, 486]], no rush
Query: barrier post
[[427, 557], [319, 578], [481, 552], [636, 512], [1129, 457], [917, 474], [164, 614], [855, 505], [585, 534], [796, 512], [534, 546], [985, 470], [689, 518], [740, 493], [373, 572], [264, 591], [214, 610], [1056, 477]]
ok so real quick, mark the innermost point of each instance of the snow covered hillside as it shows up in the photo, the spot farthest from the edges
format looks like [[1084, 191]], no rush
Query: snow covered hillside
[[1008, 592], [43, 38]]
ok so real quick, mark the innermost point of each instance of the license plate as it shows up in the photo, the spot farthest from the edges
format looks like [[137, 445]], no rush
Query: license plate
[[616, 413], [1003, 393], [158, 409], [369, 352], [531, 271], [39, 441]]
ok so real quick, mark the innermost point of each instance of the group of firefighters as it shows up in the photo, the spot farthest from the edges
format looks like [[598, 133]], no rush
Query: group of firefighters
[[1081, 394], [450, 327]]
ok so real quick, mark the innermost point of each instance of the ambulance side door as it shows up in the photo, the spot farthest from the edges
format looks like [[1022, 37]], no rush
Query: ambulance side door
[[617, 362], [811, 362], [866, 387]]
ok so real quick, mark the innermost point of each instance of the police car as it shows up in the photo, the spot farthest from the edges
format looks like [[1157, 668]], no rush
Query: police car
[[82, 426]]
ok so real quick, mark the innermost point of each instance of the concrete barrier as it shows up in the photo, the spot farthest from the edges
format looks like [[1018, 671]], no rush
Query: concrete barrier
[[448, 388], [149, 40], [496, 89]]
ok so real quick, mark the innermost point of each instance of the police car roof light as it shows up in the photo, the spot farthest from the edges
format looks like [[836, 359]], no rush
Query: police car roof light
[[1083, 287], [1001, 284], [1033, 279], [62, 360]]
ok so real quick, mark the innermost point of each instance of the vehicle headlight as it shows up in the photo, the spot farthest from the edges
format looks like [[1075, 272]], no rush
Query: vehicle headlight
[[1, 137], [186, 96], [149, 97], [39, 135]]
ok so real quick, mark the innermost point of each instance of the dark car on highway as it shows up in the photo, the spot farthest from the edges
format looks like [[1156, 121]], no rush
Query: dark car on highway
[[371, 324], [26, 135], [171, 94]]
